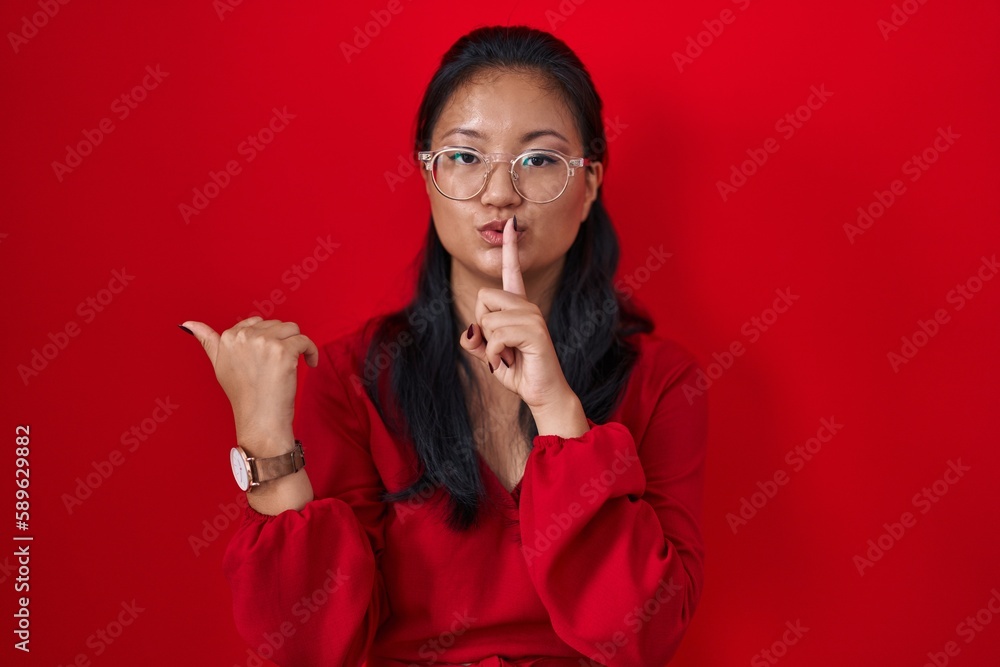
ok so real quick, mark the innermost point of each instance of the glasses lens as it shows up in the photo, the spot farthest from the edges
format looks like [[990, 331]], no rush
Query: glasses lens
[[459, 173], [540, 177]]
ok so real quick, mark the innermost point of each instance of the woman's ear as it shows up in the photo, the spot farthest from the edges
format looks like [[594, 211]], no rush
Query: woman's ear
[[594, 177], [426, 173]]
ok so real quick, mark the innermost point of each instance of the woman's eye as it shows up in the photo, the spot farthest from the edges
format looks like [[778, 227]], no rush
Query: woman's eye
[[536, 160], [463, 158]]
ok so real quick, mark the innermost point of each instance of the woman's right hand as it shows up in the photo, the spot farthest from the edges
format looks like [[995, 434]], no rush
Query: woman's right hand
[[255, 361]]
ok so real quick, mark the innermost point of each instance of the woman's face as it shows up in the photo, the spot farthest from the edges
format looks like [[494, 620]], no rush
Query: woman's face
[[500, 112]]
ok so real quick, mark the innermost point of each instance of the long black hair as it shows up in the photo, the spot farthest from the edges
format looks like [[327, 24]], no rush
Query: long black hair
[[589, 321]]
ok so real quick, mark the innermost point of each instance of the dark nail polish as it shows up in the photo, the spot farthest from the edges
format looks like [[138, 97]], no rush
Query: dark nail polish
[[490, 365], [515, 223], [504, 362], [186, 329], [469, 333]]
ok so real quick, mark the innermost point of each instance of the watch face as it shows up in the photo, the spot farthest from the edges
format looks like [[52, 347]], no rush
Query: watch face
[[239, 468]]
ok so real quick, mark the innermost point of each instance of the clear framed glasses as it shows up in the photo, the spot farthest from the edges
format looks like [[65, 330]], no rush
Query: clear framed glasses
[[539, 176]]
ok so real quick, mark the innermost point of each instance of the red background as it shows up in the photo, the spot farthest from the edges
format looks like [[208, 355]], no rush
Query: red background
[[324, 175]]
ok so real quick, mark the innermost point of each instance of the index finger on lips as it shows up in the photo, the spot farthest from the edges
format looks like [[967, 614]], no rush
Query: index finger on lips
[[510, 262]]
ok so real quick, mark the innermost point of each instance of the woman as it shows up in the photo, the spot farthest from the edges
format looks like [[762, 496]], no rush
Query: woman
[[533, 498]]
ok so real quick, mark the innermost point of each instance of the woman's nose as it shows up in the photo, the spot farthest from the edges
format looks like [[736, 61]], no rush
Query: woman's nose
[[499, 190]]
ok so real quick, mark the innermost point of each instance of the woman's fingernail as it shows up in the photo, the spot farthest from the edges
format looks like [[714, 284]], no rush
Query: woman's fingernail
[[186, 329], [515, 223], [490, 365], [504, 362], [469, 333]]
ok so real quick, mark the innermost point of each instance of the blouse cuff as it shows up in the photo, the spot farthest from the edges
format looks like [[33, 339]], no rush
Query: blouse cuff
[[604, 460], [550, 439], [253, 516], [250, 515]]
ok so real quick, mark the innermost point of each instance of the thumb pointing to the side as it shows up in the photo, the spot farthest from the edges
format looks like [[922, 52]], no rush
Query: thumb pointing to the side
[[206, 335]]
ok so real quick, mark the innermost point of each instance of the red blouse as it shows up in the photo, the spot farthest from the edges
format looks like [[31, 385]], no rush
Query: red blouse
[[596, 554]]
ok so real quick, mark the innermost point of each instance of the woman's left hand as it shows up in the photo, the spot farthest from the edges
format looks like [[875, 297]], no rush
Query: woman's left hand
[[510, 327]]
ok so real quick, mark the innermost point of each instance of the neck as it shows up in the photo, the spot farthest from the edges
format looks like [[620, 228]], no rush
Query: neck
[[539, 286]]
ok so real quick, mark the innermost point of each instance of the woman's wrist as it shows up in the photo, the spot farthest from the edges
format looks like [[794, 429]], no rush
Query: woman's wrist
[[265, 442], [564, 417], [290, 492]]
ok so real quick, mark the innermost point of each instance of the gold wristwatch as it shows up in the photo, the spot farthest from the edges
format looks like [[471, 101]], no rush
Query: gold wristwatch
[[251, 471]]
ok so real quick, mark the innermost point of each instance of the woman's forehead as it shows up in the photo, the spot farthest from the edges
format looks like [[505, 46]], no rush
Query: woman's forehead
[[506, 106]]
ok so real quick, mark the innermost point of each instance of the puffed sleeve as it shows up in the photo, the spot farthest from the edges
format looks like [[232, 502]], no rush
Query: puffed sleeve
[[306, 584], [611, 533]]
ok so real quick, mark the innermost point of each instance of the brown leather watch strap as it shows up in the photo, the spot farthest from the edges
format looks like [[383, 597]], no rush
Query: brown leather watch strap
[[265, 470]]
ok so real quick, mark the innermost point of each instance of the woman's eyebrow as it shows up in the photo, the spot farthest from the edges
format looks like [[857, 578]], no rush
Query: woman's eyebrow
[[525, 138], [531, 136]]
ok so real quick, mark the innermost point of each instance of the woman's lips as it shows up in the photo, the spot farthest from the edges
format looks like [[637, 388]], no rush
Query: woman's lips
[[495, 238]]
